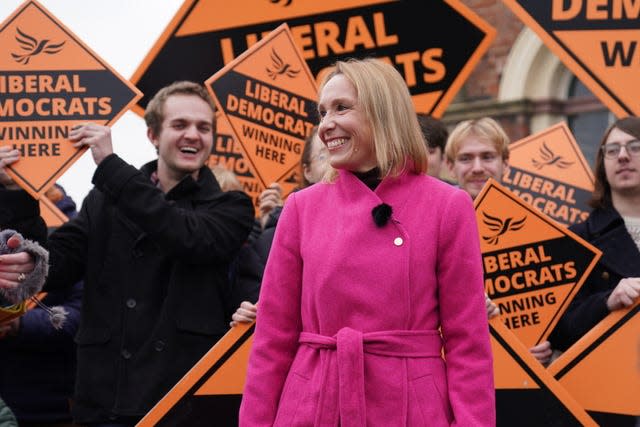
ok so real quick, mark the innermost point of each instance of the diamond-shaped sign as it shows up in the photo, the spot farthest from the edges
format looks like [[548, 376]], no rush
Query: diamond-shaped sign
[[533, 267], [267, 96], [211, 392], [526, 394], [421, 39], [228, 153], [549, 171], [596, 40], [608, 391], [50, 81], [52, 216]]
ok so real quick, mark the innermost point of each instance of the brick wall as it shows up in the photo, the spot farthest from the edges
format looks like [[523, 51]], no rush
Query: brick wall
[[478, 96], [484, 82]]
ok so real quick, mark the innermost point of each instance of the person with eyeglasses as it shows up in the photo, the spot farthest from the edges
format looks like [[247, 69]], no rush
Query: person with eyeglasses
[[613, 227]]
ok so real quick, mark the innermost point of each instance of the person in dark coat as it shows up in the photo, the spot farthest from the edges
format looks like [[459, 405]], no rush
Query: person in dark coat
[[153, 247], [613, 227], [37, 373], [62, 201]]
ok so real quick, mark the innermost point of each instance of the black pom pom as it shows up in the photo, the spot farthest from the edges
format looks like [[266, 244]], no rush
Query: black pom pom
[[381, 214]]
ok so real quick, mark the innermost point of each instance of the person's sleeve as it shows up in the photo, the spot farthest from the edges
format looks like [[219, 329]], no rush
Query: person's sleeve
[[214, 231], [278, 324], [36, 328], [586, 310], [463, 315], [250, 267], [21, 212], [68, 247]]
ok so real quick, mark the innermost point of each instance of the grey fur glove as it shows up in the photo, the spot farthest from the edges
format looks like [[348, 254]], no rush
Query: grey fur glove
[[32, 284]]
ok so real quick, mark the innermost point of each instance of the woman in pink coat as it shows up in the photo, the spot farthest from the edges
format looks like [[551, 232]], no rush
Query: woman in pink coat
[[372, 305]]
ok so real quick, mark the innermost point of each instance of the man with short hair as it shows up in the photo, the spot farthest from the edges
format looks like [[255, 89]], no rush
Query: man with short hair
[[154, 247], [476, 151], [435, 134]]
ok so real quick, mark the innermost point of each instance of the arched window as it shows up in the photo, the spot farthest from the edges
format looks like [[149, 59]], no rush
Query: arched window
[[587, 118], [534, 73]]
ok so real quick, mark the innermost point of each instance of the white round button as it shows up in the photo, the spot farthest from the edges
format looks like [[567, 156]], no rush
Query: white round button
[[398, 241]]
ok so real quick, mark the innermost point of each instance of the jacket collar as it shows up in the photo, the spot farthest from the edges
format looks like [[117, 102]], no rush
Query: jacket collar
[[392, 190], [202, 188], [602, 220], [609, 233]]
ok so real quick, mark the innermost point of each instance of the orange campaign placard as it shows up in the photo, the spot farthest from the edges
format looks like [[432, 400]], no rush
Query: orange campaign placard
[[533, 267], [49, 82], [206, 35], [549, 171], [52, 216], [596, 39], [267, 96], [211, 392], [526, 394], [228, 153], [602, 369]]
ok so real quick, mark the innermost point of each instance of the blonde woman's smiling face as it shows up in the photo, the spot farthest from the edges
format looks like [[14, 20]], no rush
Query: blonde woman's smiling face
[[344, 127]]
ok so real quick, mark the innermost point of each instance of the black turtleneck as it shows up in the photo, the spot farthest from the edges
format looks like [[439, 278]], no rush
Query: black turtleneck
[[371, 178]]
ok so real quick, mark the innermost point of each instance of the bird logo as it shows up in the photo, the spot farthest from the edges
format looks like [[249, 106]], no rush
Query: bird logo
[[500, 227], [285, 3], [550, 159], [33, 47], [280, 68]]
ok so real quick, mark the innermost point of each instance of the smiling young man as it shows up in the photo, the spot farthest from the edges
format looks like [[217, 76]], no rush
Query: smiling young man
[[476, 151], [153, 246]]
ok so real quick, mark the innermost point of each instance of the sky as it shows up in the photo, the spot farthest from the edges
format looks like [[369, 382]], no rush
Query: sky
[[121, 32]]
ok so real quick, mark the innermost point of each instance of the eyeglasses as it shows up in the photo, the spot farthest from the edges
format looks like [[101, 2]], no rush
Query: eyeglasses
[[612, 149]]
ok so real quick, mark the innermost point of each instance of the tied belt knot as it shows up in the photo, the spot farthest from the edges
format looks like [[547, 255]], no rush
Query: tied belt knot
[[350, 346]]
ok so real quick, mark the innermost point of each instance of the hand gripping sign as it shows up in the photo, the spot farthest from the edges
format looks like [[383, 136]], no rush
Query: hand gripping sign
[[533, 267], [50, 81]]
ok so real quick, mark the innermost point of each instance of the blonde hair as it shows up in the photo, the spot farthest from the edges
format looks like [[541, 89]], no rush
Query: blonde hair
[[484, 128], [227, 179], [387, 105]]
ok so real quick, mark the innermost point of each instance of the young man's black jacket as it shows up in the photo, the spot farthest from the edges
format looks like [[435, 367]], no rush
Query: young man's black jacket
[[155, 268], [604, 229]]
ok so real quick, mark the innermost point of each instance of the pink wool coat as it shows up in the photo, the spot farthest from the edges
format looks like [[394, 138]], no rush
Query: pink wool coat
[[349, 313]]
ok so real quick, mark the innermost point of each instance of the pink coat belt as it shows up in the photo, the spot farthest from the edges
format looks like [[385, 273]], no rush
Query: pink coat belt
[[351, 345]]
